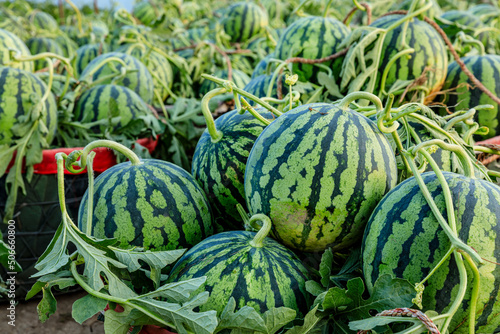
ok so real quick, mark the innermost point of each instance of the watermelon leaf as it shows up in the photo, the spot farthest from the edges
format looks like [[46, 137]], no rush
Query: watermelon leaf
[[47, 305], [86, 307], [61, 280], [314, 323], [325, 267], [246, 319], [4, 258], [156, 259], [278, 317]]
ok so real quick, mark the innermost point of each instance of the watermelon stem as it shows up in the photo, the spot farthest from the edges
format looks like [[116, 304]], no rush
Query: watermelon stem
[[475, 292], [215, 134], [90, 200], [461, 293], [78, 16], [254, 113], [344, 103], [263, 232], [101, 64]]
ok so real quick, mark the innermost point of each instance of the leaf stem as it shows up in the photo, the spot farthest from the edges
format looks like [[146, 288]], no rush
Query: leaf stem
[[215, 134]]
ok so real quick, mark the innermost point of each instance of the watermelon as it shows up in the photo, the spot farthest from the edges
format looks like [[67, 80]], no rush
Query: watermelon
[[43, 44], [238, 77], [156, 63], [255, 270], [258, 86], [148, 13], [312, 38], [94, 105], [318, 171], [404, 239], [219, 166], [86, 53], [68, 46], [243, 20], [430, 54], [43, 21], [139, 80], [465, 95], [10, 41], [262, 66], [20, 91], [155, 205], [462, 21], [487, 13]]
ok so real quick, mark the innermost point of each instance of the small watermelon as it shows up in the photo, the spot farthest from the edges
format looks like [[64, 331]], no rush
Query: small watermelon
[[255, 270], [43, 44], [155, 205], [244, 20], [10, 41], [318, 171], [404, 239], [138, 79], [94, 105], [43, 21]]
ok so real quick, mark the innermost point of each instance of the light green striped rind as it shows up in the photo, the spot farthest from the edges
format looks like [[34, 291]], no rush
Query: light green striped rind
[[312, 37], [19, 92], [244, 20], [43, 21], [318, 172], [465, 95], [220, 167], [10, 41], [147, 13], [86, 53], [137, 79], [404, 239], [155, 205], [43, 44], [263, 278]]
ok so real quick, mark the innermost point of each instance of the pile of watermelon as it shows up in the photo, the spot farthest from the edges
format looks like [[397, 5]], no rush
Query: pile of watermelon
[[324, 167]]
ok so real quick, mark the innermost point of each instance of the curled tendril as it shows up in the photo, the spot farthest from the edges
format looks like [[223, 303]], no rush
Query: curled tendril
[[72, 162]]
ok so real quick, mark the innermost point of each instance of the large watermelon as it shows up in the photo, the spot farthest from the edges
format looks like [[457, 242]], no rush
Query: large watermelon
[[465, 95], [312, 37], [430, 54], [20, 91], [318, 171], [155, 205], [94, 105], [404, 239], [244, 20], [10, 41], [138, 79], [219, 166], [254, 270], [43, 44]]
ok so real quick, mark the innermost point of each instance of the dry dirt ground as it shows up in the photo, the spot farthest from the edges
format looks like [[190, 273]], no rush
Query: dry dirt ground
[[59, 323]]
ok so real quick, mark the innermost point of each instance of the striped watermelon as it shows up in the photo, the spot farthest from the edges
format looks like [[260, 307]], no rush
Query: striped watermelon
[[219, 166], [19, 91], [487, 13], [318, 171], [404, 239], [155, 205], [487, 70], [148, 13], [238, 77], [262, 66], [58, 82], [43, 44], [254, 270], [139, 81], [67, 45], [244, 20], [156, 63], [430, 54], [463, 21], [312, 37], [94, 105], [10, 41], [86, 53], [43, 21]]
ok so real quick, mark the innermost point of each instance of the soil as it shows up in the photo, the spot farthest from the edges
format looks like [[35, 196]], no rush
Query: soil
[[59, 323]]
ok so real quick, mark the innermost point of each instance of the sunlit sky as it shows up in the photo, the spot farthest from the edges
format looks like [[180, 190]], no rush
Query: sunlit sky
[[127, 4]]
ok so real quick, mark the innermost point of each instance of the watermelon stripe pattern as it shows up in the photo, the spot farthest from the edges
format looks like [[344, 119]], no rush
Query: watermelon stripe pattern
[[238, 77], [10, 41], [430, 52], [147, 13], [20, 92], [312, 38], [220, 167], [258, 86], [44, 21], [487, 70], [155, 205], [140, 81], [403, 238], [266, 277], [318, 172], [244, 20], [43, 44], [94, 104]]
